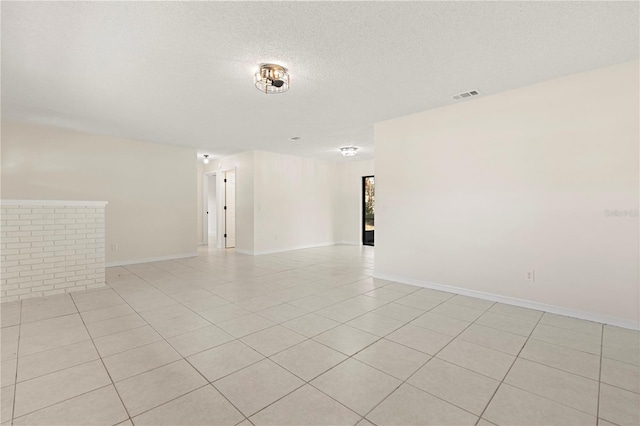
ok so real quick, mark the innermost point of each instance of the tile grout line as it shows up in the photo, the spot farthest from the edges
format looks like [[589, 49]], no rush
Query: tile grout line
[[263, 408], [251, 312], [305, 382], [265, 357], [126, 410], [15, 379], [516, 357], [283, 303], [540, 363], [269, 358], [67, 399], [600, 375], [509, 370], [180, 396], [425, 363], [182, 358], [336, 365], [563, 371]]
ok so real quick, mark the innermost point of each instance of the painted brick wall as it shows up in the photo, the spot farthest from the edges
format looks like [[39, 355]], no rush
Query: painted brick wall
[[50, 247]]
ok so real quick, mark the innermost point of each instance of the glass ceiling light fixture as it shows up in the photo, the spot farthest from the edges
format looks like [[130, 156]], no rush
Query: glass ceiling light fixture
[[272, 78], [349, 151], [206, 159]]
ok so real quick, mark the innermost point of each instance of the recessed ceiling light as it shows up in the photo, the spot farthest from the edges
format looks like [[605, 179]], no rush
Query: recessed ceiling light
[[349, 151]]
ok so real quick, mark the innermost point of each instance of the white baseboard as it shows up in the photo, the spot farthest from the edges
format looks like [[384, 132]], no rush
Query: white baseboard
[[149, 259], [307, 246], [589, 316], [258, 253]]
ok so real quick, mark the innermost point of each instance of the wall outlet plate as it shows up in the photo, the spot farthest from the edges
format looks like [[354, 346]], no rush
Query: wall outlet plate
[[530, 275]]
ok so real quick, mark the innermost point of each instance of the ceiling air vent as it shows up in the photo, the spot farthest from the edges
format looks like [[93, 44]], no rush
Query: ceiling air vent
[[466, 95]]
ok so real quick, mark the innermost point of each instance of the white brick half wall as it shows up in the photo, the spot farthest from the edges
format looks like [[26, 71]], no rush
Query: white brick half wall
[[49, 247]]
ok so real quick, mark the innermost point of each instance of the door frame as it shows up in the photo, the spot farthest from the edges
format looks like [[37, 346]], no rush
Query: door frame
[[363, 209], [205, 206]]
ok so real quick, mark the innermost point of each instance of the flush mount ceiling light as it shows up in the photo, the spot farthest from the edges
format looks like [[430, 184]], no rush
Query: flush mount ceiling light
[[349, 151], [206, 158], [272, 78]]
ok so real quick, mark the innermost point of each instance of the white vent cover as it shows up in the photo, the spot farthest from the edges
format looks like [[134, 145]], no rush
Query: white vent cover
[[466, 95]]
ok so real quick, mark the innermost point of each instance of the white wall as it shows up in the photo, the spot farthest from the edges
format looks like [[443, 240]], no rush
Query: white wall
[[349, 213], [150, 187], [475, 194], [294, 204]]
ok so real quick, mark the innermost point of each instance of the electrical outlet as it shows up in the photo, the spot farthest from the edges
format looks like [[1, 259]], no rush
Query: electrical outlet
[[114, 247], [531, 275]]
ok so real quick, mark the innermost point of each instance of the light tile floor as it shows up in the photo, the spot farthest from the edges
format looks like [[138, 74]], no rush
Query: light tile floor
[[304, 337]]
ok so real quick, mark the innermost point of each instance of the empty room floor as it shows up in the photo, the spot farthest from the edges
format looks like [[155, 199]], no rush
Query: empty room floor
[[304, 337]]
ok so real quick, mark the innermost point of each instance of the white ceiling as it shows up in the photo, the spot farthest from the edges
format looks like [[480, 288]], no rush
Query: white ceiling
[[182, 73]]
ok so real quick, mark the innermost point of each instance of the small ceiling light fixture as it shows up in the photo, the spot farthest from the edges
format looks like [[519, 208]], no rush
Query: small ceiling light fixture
[[349, 151], [206, 158], [272, 78]]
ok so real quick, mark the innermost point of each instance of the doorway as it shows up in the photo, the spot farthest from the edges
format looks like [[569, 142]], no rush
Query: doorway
[[368, 210], [230, 209]]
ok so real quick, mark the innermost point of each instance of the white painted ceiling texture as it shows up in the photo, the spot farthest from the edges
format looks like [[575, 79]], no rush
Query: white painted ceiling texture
[[182, 73]]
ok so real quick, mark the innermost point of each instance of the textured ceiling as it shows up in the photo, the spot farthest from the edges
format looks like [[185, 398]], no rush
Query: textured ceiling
[[182, 73]]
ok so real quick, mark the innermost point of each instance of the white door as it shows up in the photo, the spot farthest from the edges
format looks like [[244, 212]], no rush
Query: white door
[[230, 210], [211, 210]]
